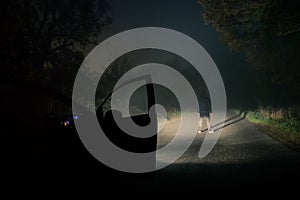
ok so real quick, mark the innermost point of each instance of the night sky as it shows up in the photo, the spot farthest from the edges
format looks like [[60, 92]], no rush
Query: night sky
[[186, 17]]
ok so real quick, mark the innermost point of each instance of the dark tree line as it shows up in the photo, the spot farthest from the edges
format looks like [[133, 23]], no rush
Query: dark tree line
[[45, 40], [268, 33]]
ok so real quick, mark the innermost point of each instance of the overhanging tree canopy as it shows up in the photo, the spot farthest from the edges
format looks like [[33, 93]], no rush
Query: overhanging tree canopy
[[266, 31], [38, 36]]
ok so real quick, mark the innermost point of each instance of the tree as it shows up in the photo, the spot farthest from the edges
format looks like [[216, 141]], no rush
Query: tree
[[266, 31], [40, 38]]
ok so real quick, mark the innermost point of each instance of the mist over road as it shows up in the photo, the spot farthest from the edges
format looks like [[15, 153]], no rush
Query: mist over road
[[243, 155]]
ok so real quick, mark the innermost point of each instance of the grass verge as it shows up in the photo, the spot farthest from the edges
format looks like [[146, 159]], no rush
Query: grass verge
[[277, 123]]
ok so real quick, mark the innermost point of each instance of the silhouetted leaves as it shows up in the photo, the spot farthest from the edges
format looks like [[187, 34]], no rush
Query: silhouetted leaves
[[266, 31], [38, 37]]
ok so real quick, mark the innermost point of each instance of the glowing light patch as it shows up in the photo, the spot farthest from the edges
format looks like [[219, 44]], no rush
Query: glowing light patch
[[66, 123]]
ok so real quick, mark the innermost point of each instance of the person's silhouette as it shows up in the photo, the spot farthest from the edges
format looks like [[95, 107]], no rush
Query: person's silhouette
[[205, 112]]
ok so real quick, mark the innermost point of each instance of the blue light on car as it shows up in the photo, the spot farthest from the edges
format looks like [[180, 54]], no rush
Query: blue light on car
[[75, 117], [66, 123]]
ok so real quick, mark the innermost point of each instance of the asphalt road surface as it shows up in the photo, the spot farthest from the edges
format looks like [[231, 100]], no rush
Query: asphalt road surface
[[243, 155]]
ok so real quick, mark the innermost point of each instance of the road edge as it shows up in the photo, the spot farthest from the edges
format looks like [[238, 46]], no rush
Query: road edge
[[276, 136]]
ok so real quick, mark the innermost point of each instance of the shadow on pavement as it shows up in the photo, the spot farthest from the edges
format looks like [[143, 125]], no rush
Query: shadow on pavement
[[232, 120]]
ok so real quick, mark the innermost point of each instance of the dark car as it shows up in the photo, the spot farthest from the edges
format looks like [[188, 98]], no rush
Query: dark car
[[71, 153]]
